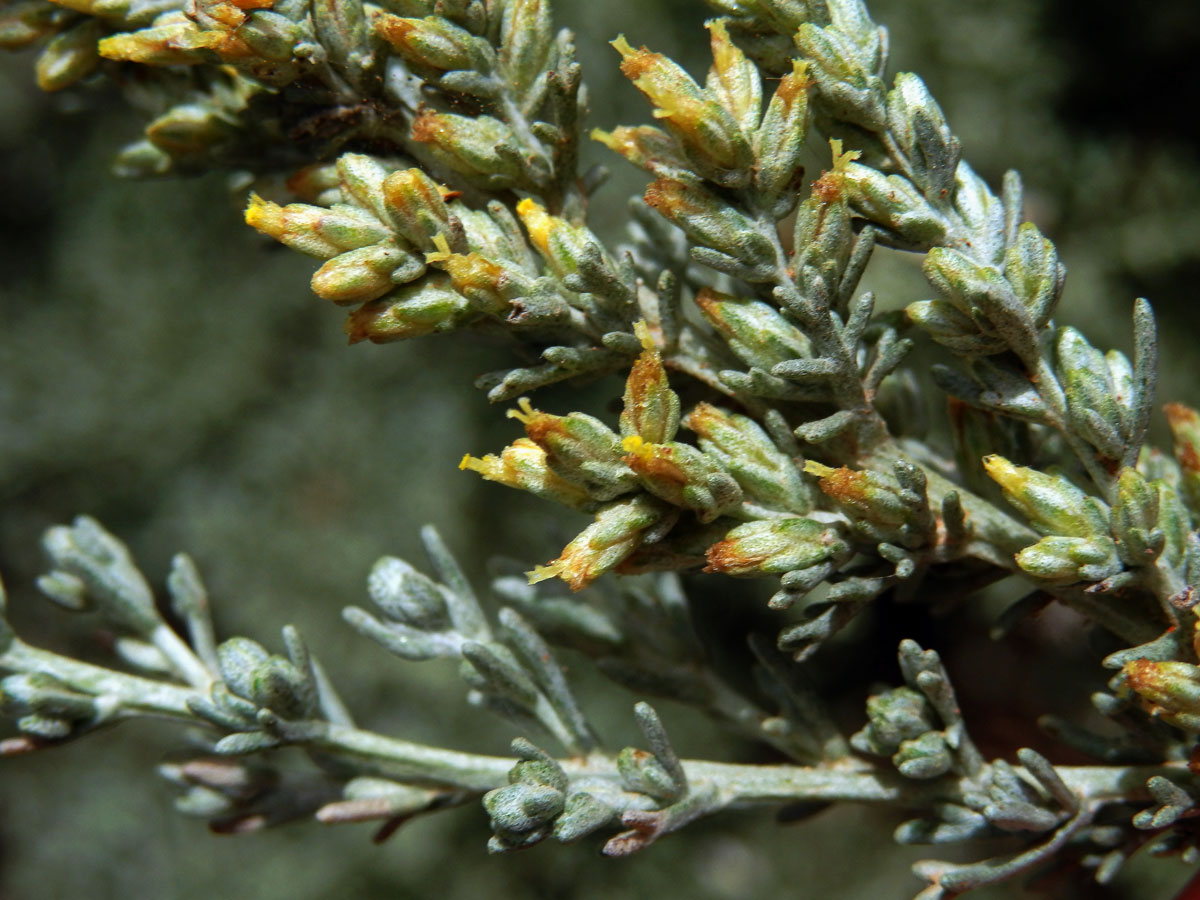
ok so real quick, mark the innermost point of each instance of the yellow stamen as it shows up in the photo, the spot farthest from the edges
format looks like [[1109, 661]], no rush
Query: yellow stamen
[[443, 250], [544, 573], [622, 46], [841, 160], [526, 412], [642, 331]]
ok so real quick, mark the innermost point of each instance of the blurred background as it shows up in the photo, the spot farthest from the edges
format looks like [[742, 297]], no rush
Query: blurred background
[[166, 370]]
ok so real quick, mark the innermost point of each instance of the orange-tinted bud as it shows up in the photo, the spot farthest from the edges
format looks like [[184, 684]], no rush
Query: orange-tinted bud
[[580, 448], [482, 281], [417, 206], [863, 493], [1185, 429], [651, 407], [603, 545], [1169, 690], [434, 44], [647, 148], [774, 546], [708, 133], [683, 476]]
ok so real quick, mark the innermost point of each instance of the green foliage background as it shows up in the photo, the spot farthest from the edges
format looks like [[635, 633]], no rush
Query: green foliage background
[[164, 369]]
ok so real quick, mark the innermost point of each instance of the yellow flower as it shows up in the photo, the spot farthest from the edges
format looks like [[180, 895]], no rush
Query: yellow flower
[[524, 465]]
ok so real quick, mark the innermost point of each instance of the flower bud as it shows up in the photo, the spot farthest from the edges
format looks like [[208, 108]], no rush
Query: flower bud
[[1174, 524], [1135, 519], [523, 812], [1093, 399], [710, 221], [434, 44], [1051, 503], [773, 547], [651, 407], [893, 717], [41, 694], [416, 204], [709, 135], [468, 145], [919, 128], [189, 129], [927, 756], [779, 141], [766, 475], [359, 275], [319, 184], [582, 815], [141, 159], [414, 310], [168, 42], [1169, 690], [319, 232], [844, 72], [824, 238], [271, 36], [647, 147], [983, 294], [894, 203], [487, 284], [1185, 429], [755, 331], [115, 587], [361, 179], [496, 234], [560, 243], [268, 681], [683, 476], [603, 545], [642, 773], [579, 448], [945, 324], [25, 22], [239, 658], [1066, 560], [865, 494], [526, 38], [734, 79], [406, 595], [1031, 266], [340, 27], [523, 465], [70, 56]]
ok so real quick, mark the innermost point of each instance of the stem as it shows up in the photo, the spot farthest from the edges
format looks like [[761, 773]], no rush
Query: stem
[[185, 663], [136, 695], [744, 785], [850, 780]]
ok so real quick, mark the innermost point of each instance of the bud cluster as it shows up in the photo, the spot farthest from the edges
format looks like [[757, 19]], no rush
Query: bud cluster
[[717, 138], [1087, 540], [639, 481], [400, 247]]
